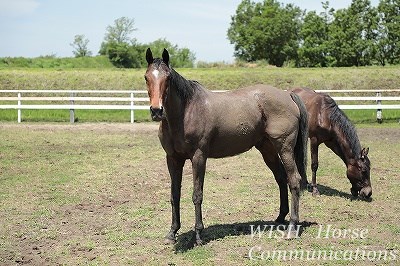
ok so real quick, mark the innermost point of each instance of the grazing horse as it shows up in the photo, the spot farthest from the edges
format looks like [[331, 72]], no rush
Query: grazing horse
[[197, 124], [328, 124]]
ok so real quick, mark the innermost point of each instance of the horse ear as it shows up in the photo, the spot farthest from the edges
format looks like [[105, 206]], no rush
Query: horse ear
[[165, 57], [364, 152], [149, 56]]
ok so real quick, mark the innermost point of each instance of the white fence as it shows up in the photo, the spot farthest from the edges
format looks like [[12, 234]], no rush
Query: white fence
[[120, 100], [138, 100], [378, 98]]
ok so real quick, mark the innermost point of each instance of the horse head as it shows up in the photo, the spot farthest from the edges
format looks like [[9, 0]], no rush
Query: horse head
[[157, 77], [358, 172]]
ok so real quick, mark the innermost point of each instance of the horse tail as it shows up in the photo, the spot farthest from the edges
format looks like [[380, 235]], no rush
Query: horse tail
[[300, 149]]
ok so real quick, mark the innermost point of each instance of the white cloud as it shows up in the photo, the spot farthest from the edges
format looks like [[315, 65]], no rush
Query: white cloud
[[15, 8]]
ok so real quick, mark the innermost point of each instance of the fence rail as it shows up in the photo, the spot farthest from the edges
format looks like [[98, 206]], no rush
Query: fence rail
[[138, 100]]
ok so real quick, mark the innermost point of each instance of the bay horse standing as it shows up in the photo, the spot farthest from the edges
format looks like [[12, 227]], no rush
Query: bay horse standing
[[197, 124], [328, 124]]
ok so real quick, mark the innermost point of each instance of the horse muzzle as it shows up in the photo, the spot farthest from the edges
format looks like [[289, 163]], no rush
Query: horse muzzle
[[157, 114], [366, 192]]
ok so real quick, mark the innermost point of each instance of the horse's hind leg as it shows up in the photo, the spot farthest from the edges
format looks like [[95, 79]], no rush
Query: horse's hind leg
[[286, 151], [272, 160], [294, 178]]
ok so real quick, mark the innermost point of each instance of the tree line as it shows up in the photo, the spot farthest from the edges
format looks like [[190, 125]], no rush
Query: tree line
[[124, 51], [359, 35]]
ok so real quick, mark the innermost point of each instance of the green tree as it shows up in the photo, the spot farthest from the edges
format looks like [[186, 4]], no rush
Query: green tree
[[241, 32], [120, 55], [353, 34], [314, 47], [314, 33], [180, 57], [124, 51], [80, 46], [265, 31], [388, 43], [121, 30], [117, 44]]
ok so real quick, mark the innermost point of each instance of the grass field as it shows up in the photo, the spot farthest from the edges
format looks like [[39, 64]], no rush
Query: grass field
[[98, 194], [212, 78]]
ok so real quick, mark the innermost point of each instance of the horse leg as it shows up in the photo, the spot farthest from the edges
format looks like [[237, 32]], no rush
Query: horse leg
[[294, 186], [175, 168], [314, 165], [274, 163], [199, 167], [286, 152]]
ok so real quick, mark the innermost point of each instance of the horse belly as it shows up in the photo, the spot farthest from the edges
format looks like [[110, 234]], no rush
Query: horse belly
[[234, 140]]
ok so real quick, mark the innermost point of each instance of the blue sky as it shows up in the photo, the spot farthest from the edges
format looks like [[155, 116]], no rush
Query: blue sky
[[32, 28]]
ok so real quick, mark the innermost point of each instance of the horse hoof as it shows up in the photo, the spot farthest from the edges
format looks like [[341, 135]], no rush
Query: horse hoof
[[315, 192], [198, 243], [280, 220], [169, 241], [292, 235]]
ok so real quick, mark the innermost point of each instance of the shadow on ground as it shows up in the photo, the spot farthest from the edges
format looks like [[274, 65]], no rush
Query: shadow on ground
[[332, 192], [186, 240]]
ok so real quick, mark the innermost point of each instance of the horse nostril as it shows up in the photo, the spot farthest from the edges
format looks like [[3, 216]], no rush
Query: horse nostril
[[156, 113]]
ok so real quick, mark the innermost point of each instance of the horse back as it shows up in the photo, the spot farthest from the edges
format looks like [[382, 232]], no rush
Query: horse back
[[318, 112], [281, 112]]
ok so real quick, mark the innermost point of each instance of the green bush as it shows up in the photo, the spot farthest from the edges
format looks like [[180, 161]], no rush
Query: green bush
[[55, 62]]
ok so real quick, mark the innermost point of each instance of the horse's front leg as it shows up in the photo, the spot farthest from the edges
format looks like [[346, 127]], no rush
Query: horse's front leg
[[199, 167], [175, 168], [314, 165]]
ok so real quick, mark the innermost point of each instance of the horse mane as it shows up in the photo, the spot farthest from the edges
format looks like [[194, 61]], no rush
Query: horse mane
[[184, 88], [339, 119]]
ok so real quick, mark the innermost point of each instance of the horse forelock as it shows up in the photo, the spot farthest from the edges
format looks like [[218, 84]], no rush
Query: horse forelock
[[339, 119], [159, 64]]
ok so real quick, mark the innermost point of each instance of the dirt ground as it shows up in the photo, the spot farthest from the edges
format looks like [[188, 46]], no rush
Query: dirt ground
[[98, 194]]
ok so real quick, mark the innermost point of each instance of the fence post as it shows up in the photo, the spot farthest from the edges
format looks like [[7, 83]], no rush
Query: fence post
[[379, 110], [132, 112], [72, 111], [19, 107]]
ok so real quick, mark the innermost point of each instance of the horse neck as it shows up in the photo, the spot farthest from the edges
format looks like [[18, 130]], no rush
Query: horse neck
[[345, 148], [175, 102]]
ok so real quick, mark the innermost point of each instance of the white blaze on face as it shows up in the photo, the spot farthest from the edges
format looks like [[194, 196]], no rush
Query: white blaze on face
[[155, 73]]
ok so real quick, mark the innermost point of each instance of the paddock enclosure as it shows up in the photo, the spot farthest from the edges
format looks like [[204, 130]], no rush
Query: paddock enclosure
[[98, 194]]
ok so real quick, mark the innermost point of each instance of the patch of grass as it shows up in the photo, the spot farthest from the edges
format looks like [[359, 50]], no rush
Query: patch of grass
[[57, 63], [81, 116], [199, 256]]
